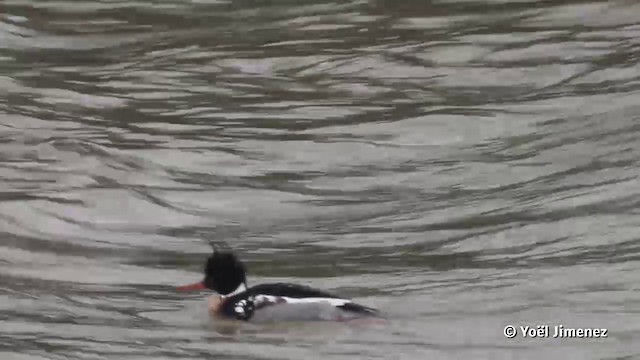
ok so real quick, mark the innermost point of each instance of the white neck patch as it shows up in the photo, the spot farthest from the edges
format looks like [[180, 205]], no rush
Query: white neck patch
[[238, 290]]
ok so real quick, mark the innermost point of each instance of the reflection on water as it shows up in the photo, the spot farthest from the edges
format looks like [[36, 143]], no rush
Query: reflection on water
[[460, 165]]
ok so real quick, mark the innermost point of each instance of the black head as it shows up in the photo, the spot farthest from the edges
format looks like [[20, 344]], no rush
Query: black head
[[224, 272]]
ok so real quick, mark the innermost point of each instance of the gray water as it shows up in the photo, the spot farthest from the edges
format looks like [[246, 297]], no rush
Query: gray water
[[461, 165]]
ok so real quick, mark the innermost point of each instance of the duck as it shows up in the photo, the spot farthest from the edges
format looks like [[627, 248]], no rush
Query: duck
[[226, 274]]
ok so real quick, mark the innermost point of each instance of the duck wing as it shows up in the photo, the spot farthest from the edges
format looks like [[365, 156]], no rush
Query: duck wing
[[285, 302]]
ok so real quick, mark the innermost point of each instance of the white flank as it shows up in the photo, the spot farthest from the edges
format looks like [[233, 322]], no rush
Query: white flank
[[289, 300]]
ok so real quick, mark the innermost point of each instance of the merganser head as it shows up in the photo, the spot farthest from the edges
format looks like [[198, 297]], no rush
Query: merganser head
[[224, 274]]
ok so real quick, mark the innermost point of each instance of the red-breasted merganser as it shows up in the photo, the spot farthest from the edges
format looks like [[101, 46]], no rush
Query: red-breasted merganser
[[226, 275]]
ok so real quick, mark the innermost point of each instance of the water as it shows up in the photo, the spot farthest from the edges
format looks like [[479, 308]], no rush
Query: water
[[461, 165]]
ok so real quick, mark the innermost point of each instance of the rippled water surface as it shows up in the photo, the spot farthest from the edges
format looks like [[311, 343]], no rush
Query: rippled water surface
[[461, 165]]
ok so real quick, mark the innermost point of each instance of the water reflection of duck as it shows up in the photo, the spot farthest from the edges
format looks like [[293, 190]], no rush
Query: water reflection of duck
[[226, 275]]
